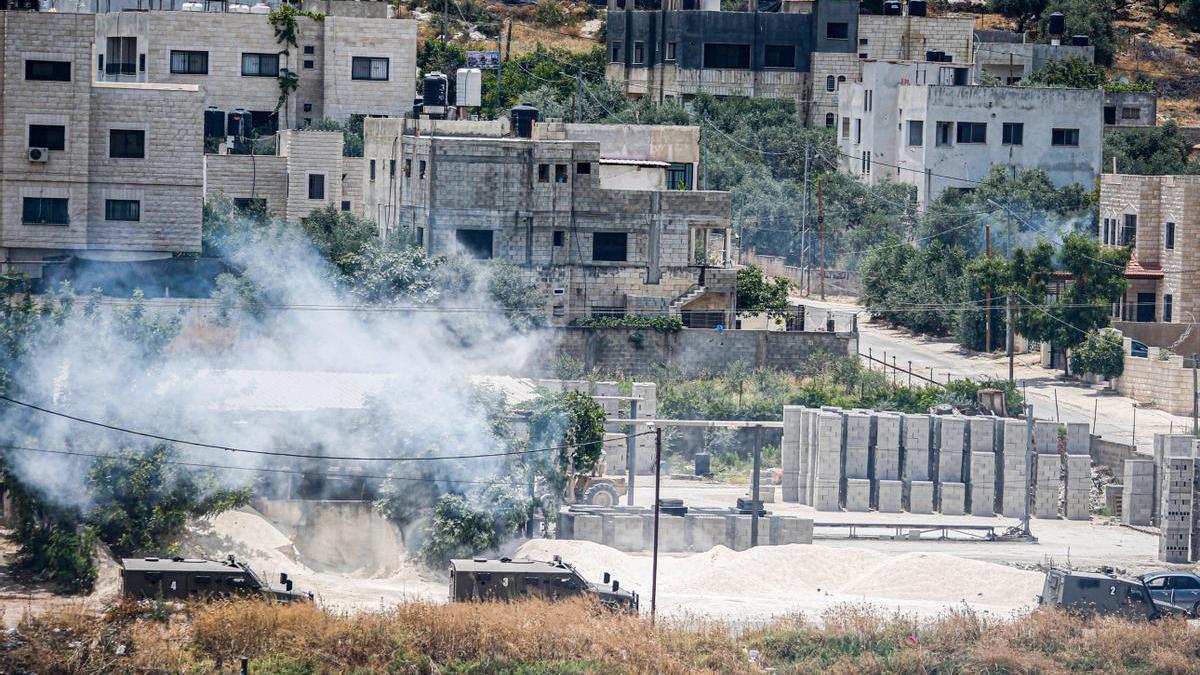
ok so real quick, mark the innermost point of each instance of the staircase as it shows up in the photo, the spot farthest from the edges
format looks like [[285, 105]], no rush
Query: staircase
[[677, 305]]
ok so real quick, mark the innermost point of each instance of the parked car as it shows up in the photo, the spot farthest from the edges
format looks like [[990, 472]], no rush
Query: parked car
[[1181, 589]]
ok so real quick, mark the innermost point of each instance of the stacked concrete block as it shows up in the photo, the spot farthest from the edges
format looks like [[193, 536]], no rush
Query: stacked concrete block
[[1175, 524], [889, 430], [647, 409], [1079, 438], [858, 494], [890, 496], [782, 530], [672, 533], [703, 531], [982, 495], [615, 453], [1137, 492], [954, 496], [589, 528], [1078, 494], [827, 483], [952, 444], [1045, 437], [625, 532], [1013, 479], [918, 434], [857, 445], [1047, 472], [920, 496], [809, 426], [792, 466], [737, 531]]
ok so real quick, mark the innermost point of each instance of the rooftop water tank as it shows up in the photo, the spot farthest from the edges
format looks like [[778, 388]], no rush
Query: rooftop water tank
[[1079, 40], [1058, 24], [192, 7], [260, 8], [468, 88], [436, 87], [522, 118], [238, 8], [214, 122], [891, 8], [917, 8]]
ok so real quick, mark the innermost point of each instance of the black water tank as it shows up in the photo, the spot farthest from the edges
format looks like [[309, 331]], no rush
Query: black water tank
[[238, 123], [522, 117], [214, 122], [891, 8], [1058, 24], [1079, 40], [917, 8], [418, 103], [703, 464], [436, 85], [933, 56]]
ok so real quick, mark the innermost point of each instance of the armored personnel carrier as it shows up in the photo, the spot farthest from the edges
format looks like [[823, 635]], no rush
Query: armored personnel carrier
[[1094, 593], [507, 579], [180, 578]]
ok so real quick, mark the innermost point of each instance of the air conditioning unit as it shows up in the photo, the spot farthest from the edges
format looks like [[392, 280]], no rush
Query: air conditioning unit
[[38, 154]]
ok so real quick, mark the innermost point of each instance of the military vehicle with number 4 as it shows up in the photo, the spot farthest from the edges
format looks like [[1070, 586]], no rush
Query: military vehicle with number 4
[[182, 578]]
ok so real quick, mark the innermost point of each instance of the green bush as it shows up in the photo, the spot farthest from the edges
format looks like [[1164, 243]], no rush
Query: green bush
[[662, 324], [1102, 353]]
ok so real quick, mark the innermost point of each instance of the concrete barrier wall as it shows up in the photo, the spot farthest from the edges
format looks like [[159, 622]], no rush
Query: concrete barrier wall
[[632, 529]]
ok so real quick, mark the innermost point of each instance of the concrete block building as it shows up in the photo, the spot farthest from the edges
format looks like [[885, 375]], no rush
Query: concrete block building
[[924, 124], [97, 170], [540, 203], [1009, 58]]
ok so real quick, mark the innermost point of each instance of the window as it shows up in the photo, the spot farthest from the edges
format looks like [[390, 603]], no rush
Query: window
[[100, 62], [841, 79], [307, 107], [866, 162], [916, 132], [1012, 133], [142, 62], [408, 167], [308, 49], [780, 56], [364, 68], [863, 55], [1110, 114], [122, 209], [371, 169], [345, 206], [1168, 301], [1129, 232], [127, 143], [845, 127], [122, 53], [391, 168], [1169, 236], [837, 30], [189, 63], [863, 42], [718, 55], [253, 204], [308, 64], [615, 53], [49, 136], [679, 176], [45, 211], [610, 246], [1182, 583], [583, 168], [202, 580], [671, 47], [558, 237], [543, 173], [971, 132], [830, 120], [830, 83], [639, 53], [260, 65], [867, 96], [421, 170], [857, 131], [52, 71], [1131, 113], [1064, 137], [560, 173], [475, 243], [316, 186], [263, 122], [944, 131]]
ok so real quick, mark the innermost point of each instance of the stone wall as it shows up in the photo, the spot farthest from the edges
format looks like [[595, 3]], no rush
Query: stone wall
[[248, 177], [1111, 454], [639, 351], [1165, 383]]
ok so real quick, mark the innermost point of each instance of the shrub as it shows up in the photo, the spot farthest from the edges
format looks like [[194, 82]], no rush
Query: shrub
[[1102, 353], [662, 324]]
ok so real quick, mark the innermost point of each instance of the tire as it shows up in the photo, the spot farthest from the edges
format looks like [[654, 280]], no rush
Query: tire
[[601, 494], [1196, 611]]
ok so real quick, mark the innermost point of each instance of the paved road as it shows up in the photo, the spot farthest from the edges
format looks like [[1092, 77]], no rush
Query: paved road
[[1113, 417]]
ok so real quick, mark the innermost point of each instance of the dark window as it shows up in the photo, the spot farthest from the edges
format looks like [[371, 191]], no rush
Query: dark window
[[1182, 583], [971, 132], [391, 168], [308, 49], [868, 95], [1145, 308], [100, 63], [316, 186], [830, 83], [1110, 114], [49, 136], [1013, 133], [583, 168], [543, 173], [55, 71], [560, 173], [1168, 301], [307, 107], [1169, 236], [308, 64], [866, 162], [1066, 137], [371, 168], [408, 167], [837, 30], [639, 53], [610, 246], [263, 122], [189, 63], [421, 169], [916, 132], [345, 206], [142, 62], [260, 65], [679, 176], [845, 127], [1131, 113], [45, 211], [726, 56], [558, 237], [671, 47], [122, 209], [127, 143], [367, 68], [830, 120], [475, 243], [122, 56], [253, 204], [202, 580], [615, 54], [1129, 232], [780, 56], [857, 130], [944, 132]]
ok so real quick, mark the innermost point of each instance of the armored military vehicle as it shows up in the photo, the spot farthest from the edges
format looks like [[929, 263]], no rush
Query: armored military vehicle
[[508, 579], [1093, 593], [180, 578]]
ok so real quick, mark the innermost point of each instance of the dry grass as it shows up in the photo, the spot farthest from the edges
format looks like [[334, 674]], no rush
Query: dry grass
[[576, 637]]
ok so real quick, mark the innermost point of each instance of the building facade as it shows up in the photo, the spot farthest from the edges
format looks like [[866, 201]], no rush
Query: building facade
[[924, 124], [96, 170]]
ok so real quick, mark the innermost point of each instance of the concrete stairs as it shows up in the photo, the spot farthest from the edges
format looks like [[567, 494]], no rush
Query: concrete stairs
[[691, 294]]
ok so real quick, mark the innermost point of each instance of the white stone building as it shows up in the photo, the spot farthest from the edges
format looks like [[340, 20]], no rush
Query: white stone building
[[924, 124]]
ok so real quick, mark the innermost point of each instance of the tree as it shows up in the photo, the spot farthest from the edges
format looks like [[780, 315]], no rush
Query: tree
[[1073, 72], [1151, 151], [1093, 18], [756, 294], [1102, 353], [1024, 12], [573, 424], [339, 235]]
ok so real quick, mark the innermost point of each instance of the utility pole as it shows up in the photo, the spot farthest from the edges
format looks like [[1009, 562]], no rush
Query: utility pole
[[821, 230], [987, 340], [445, 19], [754, 485], [704, 140], [631, 452], [1028, 467], [1195, 400], [657, 485], [804, 208], [1011, 336]]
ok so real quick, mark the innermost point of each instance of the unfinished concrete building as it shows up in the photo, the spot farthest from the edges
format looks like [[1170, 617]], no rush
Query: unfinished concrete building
[[540, 203]]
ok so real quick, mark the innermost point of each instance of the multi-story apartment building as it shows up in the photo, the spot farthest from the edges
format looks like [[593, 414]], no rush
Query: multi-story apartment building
[[1159, 216], [924, 124], [803, 52], [346, 65], [540, 203], [99, 170]]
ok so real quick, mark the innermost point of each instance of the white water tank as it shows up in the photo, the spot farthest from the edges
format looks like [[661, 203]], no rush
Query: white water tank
[[469, 87], [239, 8], [193, 7], [260, 8], [711, 5]]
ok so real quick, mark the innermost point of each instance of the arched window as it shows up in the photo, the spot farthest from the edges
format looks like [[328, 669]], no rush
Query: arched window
[[829, 120], [830, 84], [841, 79]]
